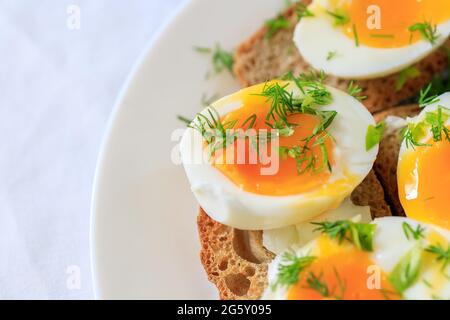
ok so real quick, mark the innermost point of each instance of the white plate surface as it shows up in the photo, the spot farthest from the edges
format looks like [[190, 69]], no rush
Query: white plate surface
[[144, 241]]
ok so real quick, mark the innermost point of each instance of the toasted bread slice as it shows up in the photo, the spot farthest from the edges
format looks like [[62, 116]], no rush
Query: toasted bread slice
[[236, 261], [386, 163], [259, 59]]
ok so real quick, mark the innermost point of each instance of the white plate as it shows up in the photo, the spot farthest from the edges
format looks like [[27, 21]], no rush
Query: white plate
[[144, 241]]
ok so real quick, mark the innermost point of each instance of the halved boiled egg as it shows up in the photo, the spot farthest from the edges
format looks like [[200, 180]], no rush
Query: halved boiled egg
[[361, 39], [294, 149], [390, 258], [423, 172]]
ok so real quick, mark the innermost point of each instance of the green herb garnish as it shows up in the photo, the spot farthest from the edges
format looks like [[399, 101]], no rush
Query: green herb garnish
[[218, 134], [355, 35], [317, 284], [340, 16], [374, 135], [360, 234], [405, 75], [426, 30], [331, 55], [185, 120], [437, 122], [406, 272], [221, 59], [412, 134], [426, 96], [355, 90], [442, 255], [276, 24], [290, 269], [416, 234], [283, 104], [434, 122], [383, 36], [303, 12]]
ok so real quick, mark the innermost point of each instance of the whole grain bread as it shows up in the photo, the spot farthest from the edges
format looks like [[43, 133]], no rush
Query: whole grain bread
[[259, 59], [237, 262], [386, 163]]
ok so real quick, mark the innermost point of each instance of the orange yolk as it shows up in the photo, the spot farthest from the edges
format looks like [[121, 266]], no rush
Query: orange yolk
[[396, 16], [345, 272], [423, 183], [248, 174]]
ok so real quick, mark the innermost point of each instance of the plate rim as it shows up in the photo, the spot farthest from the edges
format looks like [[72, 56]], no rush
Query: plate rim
[[112, 120]]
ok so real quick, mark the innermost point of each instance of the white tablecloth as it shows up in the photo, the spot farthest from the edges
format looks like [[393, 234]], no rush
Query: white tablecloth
[[58, 85]]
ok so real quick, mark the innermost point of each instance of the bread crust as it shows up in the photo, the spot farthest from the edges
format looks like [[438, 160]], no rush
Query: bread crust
[[386, 164], [259, 59], [237, 262]]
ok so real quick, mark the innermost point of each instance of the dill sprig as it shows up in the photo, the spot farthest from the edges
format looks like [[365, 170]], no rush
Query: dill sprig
[[283, 104], [317, 284], [303, 12], [290, 269], [360, 234], [303, 157], [442, 255], [382, 36], [276, 24], [184, 119], [217, 133], [427, 31], [355, 35], [415, 234], [221, 60], [437, 121], [281, 101], [426, 97], [355, 90], [439, 84], [331, 55], [284, 129], [412, 134], [340, 16], [434, 122]]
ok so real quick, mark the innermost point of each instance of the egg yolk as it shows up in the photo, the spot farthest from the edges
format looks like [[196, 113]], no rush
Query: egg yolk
[[423, 183], [386, 23], [342, 272], [289, 177]]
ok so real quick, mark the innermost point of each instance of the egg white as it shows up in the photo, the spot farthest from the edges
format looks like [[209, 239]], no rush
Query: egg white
[[228, 204], [316, 36], [390, 246], [279, 240]]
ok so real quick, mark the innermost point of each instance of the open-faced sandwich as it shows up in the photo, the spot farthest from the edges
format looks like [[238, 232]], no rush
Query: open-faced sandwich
[[303, 188]]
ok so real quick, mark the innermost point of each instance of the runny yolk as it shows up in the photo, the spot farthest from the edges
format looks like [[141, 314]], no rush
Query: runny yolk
[[274, 175], [393, 19], [423, 183], [342, 272]]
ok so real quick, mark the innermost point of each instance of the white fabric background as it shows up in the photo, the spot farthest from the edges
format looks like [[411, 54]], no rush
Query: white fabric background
[[57, 89]]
